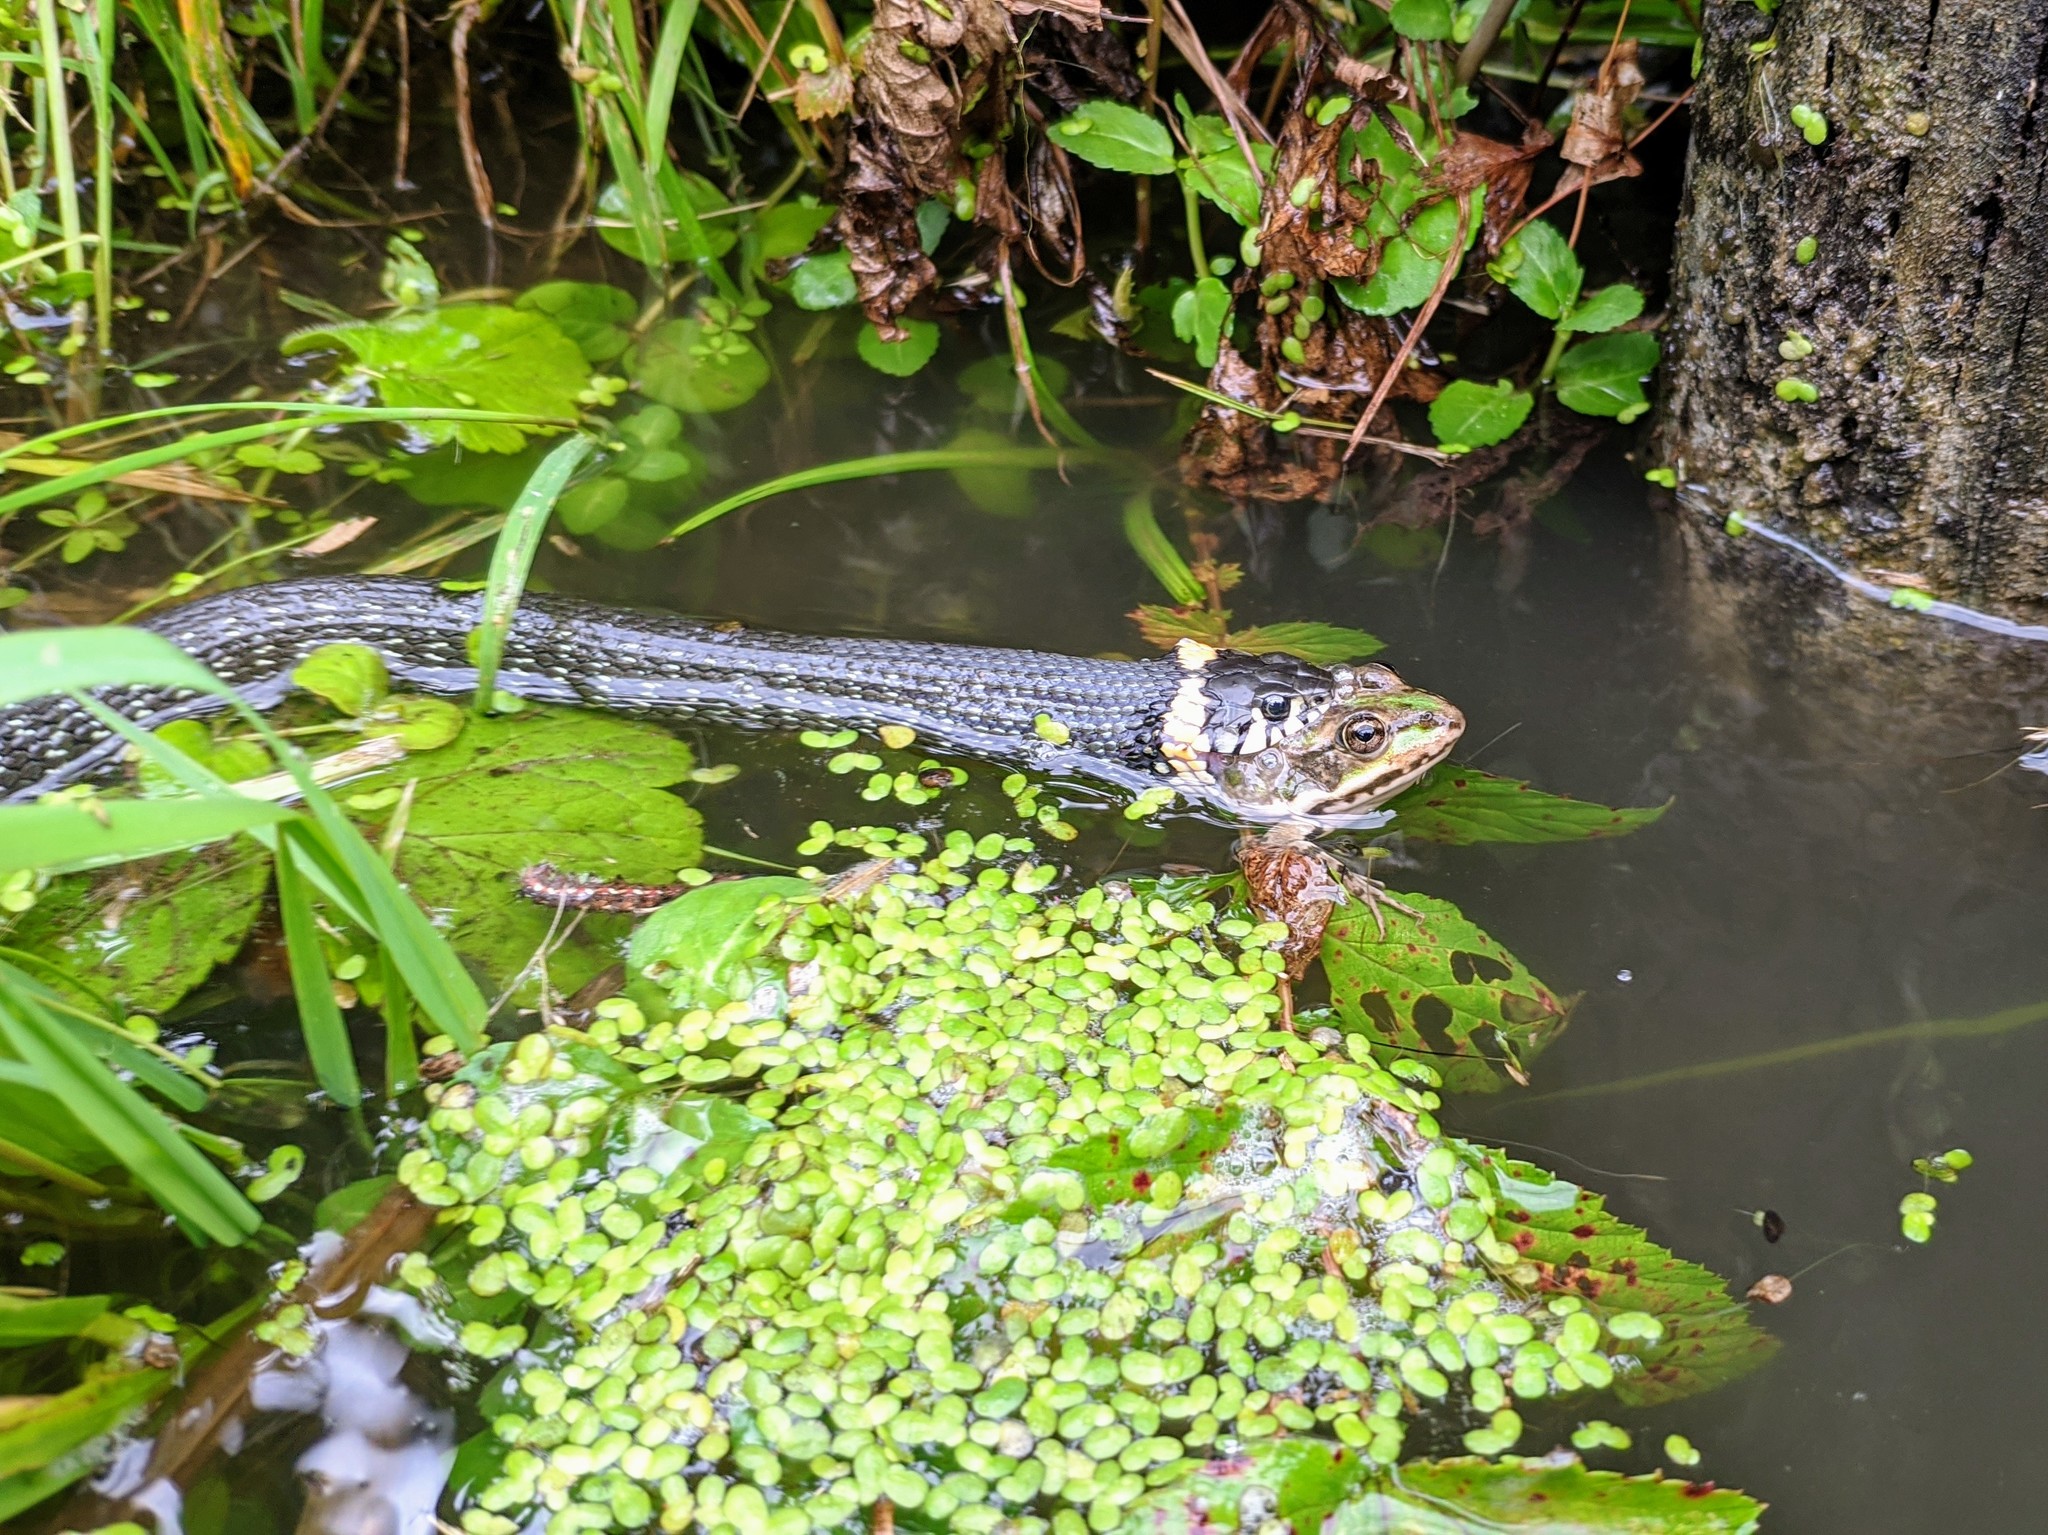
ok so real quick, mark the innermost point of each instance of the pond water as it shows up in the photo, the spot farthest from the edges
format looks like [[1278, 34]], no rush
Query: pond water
[[1825, 959]]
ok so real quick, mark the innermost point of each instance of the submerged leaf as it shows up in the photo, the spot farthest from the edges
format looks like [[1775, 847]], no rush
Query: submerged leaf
[[463, 356], [682, 365], [1437, 985], [1459, 805], [594, 315], [901, 358]]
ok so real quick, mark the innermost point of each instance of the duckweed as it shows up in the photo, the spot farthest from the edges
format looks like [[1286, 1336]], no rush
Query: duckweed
[[1004, 1207]]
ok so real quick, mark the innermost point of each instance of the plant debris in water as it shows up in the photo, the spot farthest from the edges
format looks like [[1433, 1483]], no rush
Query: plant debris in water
[[1014, 1211]]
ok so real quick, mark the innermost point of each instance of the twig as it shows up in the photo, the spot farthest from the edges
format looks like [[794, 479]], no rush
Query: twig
[[349, 64], [1484, 36], [1182, 33], [402, 149], [761, 65], [1453, 259], [1310, 426], [1020, 351], [465, 132], [1564, 35]]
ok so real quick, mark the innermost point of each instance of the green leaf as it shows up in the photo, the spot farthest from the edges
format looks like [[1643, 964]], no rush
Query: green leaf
[[594, 315], [1320, 1486], [616, 228], [351, 677], [1130, 1167], [787, 229], [1199, 315], [1318, 643], [1405, 279], [679, 365], [1426, 21], [588, 507], [1604, 376], [512, 558], [1115, 137], [192, 912], [48, 1429], [719, 1128], [1541, 270], [1468, 415], [902, 358], [1001, 490], [1437, 985], [1457, 806], [702, 945], [1008, 456], [24, 1321], [1707, 1338], [824, 281], [454, 476], [1150, 543], [1616, 304], [320, 1022], [1216, 167], [581, 791], [472, 356]]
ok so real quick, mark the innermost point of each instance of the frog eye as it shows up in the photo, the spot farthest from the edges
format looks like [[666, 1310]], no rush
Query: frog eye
[[1275, 706], [1363, 735]]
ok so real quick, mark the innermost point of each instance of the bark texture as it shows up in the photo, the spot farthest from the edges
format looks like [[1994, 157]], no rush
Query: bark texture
[[1925, 301]]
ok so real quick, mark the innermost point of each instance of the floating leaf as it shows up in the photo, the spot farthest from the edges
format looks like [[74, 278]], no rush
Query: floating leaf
[[902, 358], [594, 315], [1604, 376], [353, 678], [1115, 137], [1437, 985], [1614, 305], [1459, 805], [787, 229], [1705, 1339], [705, 941], [1468, 415], [466, 356], [544, 786], [456, 476], [1312, 1485], [683, 365], [1541, 270]]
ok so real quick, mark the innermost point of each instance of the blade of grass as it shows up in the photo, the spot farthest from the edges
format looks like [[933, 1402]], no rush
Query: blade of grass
[[67, 835], [1150, 542], [668, 62], [191, 1188], [512, 559], [320, 1021], [870, 468]]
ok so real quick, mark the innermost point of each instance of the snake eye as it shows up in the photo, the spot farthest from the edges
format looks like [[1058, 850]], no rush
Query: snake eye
[[1363, 735], [1274, 706]]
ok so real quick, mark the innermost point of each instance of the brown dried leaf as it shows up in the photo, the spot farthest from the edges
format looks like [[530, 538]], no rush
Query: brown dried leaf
[[826, 93], [1085, 14], [1596, 131]]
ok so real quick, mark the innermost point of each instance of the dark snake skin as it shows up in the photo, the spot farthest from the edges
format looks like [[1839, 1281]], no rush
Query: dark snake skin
[[564, 650]]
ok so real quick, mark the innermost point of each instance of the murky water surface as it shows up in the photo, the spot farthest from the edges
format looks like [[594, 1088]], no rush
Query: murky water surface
[[1825, 960]]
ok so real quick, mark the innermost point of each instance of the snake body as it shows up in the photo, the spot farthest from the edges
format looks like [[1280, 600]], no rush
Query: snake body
[[1130, 722]]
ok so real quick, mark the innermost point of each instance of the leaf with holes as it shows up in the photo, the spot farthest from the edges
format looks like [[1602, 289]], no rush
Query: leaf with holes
[[1147, 1163], [1458, 806], [1311, 1484], [1580, 1248], [1438, 986]]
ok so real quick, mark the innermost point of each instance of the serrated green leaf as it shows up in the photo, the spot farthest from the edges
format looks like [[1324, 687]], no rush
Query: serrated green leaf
[[899, 359], [1469, 415], [1707, 1337], [1616, 304], [1435, 984], [1457, 806], [1114, 137], [1542, 270], [1604, 376], [1405, 279], [1319, 643], [679, 365], [1311, 1484], [580, 791], [466, 356], [594, 315]]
